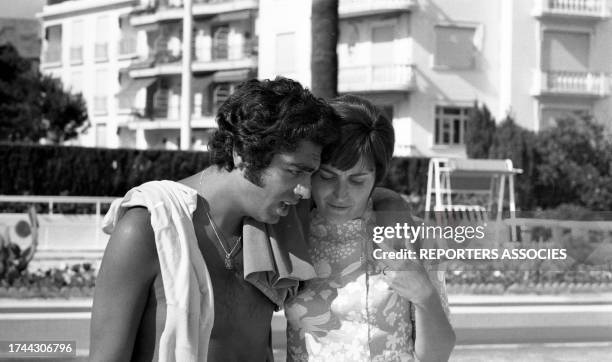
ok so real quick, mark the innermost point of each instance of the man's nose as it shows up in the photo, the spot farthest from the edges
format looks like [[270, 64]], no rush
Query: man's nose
[[302, 189]]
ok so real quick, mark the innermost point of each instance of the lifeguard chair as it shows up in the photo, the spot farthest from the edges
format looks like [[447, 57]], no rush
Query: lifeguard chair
[[448, 177]]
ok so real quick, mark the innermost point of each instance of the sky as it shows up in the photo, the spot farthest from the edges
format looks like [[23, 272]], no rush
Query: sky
[[20, 8]]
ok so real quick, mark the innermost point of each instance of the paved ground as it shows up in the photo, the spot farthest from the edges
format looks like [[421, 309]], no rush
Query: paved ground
[[586, 352]]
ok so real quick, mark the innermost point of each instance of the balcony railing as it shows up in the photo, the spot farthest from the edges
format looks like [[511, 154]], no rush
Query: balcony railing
[[589, 84], [349, 8], [569, 8], [76, 54], [53, 54], [101, 52], [393, 77]]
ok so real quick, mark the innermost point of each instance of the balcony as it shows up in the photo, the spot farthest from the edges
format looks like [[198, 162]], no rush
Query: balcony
[[575, 84], [376, 78], [167, 11], [354, 8], [205, 60], [586, 9]]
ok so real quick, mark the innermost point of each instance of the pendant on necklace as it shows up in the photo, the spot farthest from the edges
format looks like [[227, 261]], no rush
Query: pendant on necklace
[[228, 263]]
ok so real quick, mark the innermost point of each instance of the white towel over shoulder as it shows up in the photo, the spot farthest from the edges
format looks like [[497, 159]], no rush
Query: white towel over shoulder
[[187, 285]]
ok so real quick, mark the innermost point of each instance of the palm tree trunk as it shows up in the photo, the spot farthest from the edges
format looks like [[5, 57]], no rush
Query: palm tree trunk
[[323, 58]]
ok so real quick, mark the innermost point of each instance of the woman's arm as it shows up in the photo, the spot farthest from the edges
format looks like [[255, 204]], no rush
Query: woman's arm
[[128, 268], [435, 337]]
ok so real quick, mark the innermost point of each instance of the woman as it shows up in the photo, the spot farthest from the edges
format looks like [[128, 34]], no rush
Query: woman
[[361, 309]]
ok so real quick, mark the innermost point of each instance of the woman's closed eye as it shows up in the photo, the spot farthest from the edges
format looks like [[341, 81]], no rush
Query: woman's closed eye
[[325, 175]]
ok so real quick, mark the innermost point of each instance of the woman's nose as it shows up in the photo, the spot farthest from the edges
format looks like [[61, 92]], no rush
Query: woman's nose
[[340, 190]]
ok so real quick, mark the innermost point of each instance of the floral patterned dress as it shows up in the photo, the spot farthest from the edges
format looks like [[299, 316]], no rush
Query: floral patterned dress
[[349, 313]]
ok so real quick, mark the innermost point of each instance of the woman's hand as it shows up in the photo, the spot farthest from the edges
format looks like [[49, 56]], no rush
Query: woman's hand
[[407, 277]]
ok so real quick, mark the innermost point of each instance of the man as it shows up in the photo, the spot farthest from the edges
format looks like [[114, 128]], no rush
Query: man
[[267, 146]]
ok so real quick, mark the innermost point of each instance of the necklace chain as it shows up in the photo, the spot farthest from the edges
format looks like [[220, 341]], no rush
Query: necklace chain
[[228, 255]]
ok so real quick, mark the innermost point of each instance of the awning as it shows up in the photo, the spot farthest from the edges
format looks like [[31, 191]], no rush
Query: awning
[[133, 86], [224, 76]]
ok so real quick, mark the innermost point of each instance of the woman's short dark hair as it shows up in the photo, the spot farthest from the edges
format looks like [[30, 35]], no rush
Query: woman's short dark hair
[[365, 133], [264, 118]]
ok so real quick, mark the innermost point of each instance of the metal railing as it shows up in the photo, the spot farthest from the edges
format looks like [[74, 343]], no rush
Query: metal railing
[[74, 230]]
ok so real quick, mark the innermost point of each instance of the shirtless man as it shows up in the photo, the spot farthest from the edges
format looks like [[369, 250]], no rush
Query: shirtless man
[[267, 146]]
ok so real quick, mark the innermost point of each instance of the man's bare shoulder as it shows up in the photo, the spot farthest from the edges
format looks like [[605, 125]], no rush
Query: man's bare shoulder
[[133, 241]]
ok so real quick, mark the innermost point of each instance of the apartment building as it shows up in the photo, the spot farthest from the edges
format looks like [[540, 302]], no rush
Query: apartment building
[[224, 55], [86, 44], [426, 62]]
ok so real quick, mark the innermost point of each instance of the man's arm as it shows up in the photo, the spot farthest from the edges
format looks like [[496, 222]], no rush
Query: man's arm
[[128, 268]]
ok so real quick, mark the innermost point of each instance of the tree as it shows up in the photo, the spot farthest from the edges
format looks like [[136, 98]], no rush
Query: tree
[[576, 164], [324, 59], [512, 141], [480, 131], [35, 106]]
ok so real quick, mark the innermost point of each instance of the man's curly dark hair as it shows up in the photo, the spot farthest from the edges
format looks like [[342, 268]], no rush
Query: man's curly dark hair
[[264, 118]]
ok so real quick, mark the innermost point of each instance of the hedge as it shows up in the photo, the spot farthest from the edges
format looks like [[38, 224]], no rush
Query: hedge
[[77, 171]]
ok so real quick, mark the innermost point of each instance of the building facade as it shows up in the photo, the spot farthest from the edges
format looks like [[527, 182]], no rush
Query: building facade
[[424, 62], [86, 44]]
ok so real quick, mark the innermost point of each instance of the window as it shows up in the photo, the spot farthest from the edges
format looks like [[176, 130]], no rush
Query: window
[[53, 44], [76, 46], [565, 51], [550, 115], [100, 135], [220, 48], [455, 47], [103, 25], [285, 53], [451, 125]]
